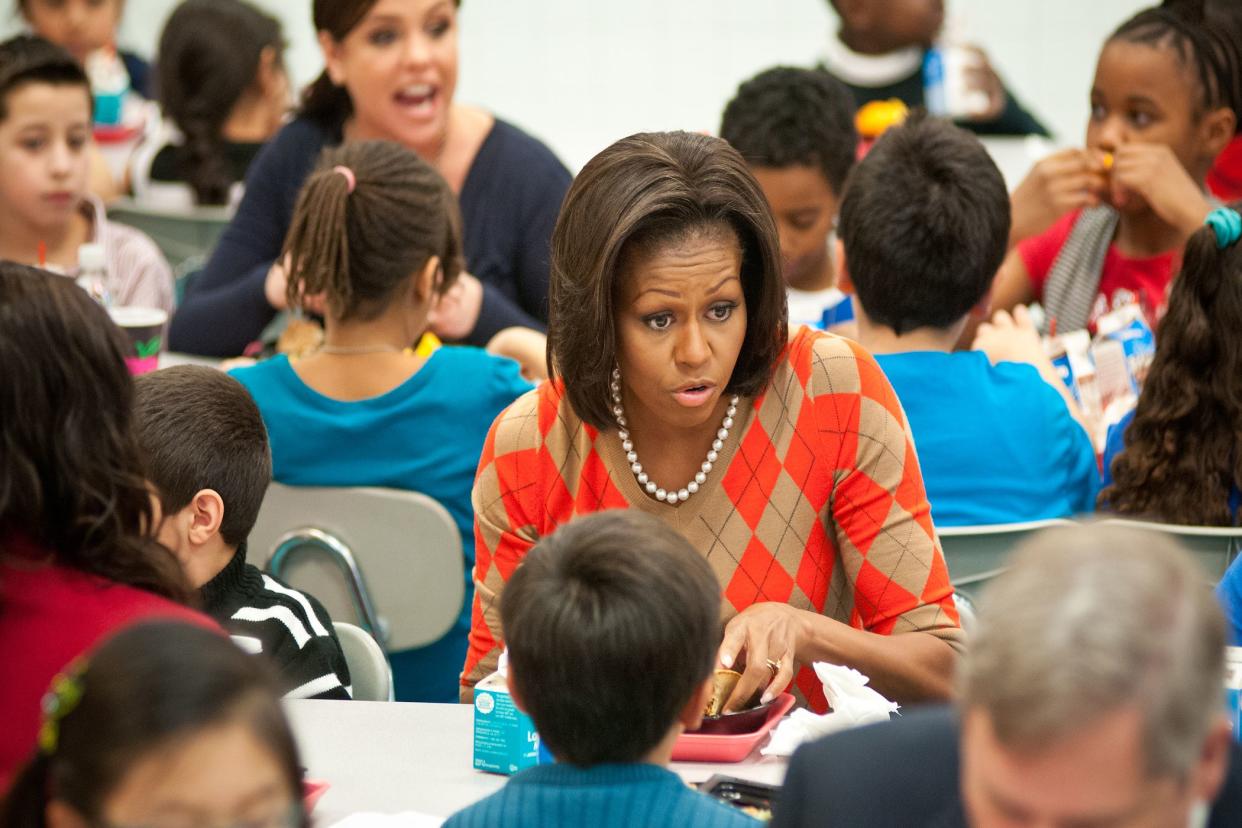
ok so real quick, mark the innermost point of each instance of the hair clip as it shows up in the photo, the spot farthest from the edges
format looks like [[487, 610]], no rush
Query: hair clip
[[351, 180], [58, 702], [1227, 224]]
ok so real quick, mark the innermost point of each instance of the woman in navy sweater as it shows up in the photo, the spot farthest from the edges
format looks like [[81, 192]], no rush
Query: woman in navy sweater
[[391, 69]]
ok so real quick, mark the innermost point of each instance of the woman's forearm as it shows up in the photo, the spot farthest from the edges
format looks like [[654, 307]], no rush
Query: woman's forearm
[[905, 667]]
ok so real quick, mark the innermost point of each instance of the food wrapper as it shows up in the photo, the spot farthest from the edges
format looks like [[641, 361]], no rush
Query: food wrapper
[[853, 704]]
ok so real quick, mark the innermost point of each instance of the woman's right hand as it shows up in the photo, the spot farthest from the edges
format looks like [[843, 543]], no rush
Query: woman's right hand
[[1067, 180]]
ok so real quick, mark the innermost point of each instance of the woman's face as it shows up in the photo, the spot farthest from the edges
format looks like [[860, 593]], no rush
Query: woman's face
[[222, 775], [399, 65], [681, 320]]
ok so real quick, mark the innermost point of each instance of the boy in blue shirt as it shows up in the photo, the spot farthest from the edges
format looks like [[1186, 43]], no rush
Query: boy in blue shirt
[[612, 625], [795, 128], [924, 226]]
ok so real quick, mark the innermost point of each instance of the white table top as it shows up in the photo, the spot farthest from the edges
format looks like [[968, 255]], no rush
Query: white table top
[[393, 757]]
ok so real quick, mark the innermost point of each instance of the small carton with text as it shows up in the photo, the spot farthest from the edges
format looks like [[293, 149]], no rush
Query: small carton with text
[[505, 740]]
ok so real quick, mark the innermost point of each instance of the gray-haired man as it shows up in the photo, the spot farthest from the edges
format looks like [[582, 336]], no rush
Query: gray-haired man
[[1091, 696]]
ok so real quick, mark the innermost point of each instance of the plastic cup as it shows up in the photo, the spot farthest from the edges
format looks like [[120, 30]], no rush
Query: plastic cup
[[144, 328]]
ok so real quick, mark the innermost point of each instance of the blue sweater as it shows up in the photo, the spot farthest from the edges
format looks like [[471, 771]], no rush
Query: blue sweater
[[509, 204], [605, 796], [425, 435], [996, 443]]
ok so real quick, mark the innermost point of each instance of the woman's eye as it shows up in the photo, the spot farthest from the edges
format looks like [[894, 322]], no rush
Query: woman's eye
[[31, 144], [382, 37], [659, 321], [438, 30], [721, 312], [77, 142]]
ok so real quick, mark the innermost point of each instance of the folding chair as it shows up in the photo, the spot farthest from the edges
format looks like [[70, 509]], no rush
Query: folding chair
[[369, 672]]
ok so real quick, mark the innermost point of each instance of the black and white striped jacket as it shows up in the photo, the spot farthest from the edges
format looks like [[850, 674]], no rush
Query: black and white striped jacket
[[289, 628]]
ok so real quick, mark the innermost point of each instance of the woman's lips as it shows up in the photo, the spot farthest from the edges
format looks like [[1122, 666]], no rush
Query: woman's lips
[[418, 100], [694, 396]]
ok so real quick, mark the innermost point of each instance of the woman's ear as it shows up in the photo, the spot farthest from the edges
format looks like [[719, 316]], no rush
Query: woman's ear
[[331, 49]]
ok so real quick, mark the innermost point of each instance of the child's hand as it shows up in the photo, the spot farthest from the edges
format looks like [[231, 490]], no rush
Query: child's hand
[[526, 347], [1012, 338], [455, 314], [1067, 180], [1152, 173]]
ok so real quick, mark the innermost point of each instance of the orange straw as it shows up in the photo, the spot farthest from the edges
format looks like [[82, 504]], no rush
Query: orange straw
[[42, 253]]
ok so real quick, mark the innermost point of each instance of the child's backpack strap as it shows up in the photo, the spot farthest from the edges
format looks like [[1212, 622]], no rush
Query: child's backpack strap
[[1074, 280]]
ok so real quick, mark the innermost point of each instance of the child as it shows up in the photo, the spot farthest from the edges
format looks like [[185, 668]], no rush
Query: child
[[374, 240], [46, 214], [612, 625], [879, 54], [77, 561], [208, 461], [795, 128], [1164, 104], [162, 725], [85, 26], [222, 82], [923, 225]]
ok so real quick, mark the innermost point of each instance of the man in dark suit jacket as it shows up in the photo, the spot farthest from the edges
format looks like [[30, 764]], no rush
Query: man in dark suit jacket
[[1090, 696]]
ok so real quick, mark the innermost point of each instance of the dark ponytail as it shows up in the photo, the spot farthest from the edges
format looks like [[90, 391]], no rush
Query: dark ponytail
[[143, 689], [371, 215], [209, 56]]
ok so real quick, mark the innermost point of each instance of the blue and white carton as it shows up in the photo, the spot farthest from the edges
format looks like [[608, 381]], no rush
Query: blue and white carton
[[505, 740]]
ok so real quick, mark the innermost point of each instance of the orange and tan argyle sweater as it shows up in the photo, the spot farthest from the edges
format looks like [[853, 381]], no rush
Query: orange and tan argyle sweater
[[816, 501]]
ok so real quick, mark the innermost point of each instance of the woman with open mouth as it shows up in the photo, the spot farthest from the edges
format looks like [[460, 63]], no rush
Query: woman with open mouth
[[677, 390], [390, 74]]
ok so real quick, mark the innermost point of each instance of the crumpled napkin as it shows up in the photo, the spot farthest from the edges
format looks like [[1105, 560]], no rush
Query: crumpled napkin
[[853, 703]]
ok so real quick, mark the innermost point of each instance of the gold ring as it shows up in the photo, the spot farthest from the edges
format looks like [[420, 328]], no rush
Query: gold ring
[[774, 666]]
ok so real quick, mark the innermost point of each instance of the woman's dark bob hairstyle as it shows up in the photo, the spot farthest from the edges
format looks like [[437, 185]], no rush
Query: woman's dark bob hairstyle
[[651, 189]]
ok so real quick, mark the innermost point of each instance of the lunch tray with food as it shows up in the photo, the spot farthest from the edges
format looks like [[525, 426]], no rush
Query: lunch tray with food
[[730, 737]]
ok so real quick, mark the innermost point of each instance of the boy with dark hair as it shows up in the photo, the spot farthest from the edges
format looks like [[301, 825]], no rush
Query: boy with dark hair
[[924, 226], [879, 53], [795, 128], [612, 625], [207, 457]]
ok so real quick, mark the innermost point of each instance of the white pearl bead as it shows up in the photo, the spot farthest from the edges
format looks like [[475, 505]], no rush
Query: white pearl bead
[[623, 434], [683, 495], [637, 468], [621, 422], [617, 410], [700, 479], [651, 487], [732, 412], [642, 478], [728, 422], [627, 445], [692, 487], [734, 400], [723, 434], [706, 467], [661, 494], [713, 455], [632, 457], [717, 445]]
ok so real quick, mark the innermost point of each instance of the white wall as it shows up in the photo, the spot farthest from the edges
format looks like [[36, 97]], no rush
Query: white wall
[[581, 73]]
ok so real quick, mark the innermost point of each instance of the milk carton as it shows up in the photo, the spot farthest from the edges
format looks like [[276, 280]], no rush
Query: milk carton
[[505, 740]]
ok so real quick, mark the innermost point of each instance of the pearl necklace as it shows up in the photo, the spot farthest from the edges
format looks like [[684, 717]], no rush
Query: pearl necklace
[[649, 485]]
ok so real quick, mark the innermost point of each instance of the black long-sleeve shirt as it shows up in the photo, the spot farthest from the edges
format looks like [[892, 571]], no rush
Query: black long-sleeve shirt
[[509, 204]]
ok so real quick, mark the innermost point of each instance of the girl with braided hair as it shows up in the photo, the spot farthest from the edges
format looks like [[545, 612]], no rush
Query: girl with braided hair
[[1103, 226]]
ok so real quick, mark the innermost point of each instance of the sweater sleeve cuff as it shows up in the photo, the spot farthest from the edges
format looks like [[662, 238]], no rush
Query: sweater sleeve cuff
[[496, 313]]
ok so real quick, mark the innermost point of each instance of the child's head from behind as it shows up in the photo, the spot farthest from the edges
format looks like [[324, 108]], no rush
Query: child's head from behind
[[612, 625], [924, 225], [214, 57], [167, 721], [375, 230], [1181, 458], [888, 25], [45, 135], [71, 480], [208, 459], [80, 26], [795, 128], [1166, 76]]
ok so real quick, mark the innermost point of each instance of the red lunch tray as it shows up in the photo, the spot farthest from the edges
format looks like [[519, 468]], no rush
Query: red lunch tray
[[699, 747]]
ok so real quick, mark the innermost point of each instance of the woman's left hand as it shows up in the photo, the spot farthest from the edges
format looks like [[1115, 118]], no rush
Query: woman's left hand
[[769, 634]]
